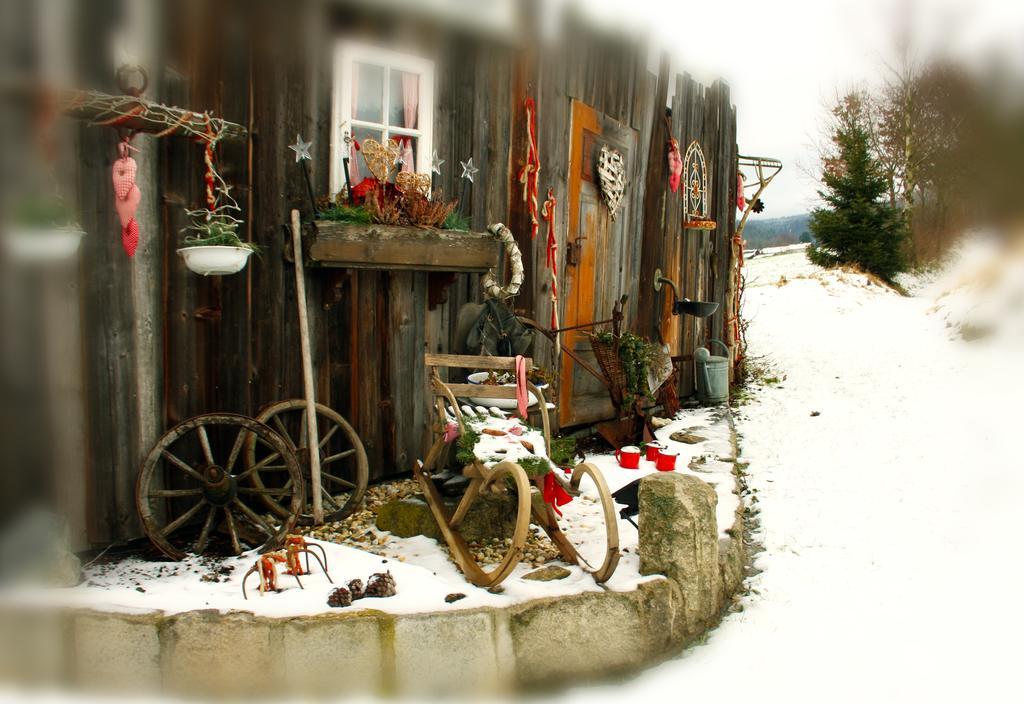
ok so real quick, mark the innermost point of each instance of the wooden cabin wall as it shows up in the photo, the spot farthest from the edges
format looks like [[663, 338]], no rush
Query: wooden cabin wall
[[165, 344], [611, 76]]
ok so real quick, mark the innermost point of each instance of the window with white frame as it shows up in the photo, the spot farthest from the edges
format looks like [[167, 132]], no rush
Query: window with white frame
[[383, 95]]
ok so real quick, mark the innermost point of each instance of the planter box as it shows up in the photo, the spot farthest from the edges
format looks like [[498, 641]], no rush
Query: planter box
[[356, 246]]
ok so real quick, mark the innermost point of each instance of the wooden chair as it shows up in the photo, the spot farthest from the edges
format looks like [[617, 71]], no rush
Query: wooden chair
[[501, 477]]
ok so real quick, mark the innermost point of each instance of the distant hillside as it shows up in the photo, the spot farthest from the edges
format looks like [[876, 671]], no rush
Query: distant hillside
[[775, 232]]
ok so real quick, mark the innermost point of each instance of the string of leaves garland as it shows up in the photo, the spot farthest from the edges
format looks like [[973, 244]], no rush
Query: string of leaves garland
[[218, 223]]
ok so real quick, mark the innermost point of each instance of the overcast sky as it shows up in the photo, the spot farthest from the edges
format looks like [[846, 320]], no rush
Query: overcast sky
[[783, 59]]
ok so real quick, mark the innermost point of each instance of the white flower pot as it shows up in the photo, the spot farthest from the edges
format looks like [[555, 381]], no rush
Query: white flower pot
[[37, 245], [215, 260], [505, 404]]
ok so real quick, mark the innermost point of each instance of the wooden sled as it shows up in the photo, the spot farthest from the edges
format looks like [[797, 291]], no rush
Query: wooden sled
[[504, 477]]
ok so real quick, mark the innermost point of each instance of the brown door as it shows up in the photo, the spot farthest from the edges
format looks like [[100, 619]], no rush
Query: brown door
[[594, 259]]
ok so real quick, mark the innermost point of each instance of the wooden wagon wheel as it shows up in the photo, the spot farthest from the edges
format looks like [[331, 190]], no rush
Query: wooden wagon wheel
[[188, 480], [603, 565], [344, 469], [482, 480]]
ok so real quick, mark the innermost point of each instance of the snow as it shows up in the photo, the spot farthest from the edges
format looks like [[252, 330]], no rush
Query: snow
[[424, 573], [889, 522]]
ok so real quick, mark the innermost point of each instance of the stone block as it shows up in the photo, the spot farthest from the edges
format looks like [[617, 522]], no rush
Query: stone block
[[573, 638], [333, 654], [117, 653], [213, 654], [447, 653], [679, 539], [33, 645], [491, 516]]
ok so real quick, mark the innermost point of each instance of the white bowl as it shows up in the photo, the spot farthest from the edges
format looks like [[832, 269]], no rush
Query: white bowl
[[505, 404], [216, 260], [42, 245]]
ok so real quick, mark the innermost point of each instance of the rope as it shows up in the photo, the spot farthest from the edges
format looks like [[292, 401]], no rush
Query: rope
[[211, 200], [548, 213], [120, 119], [529, 175]]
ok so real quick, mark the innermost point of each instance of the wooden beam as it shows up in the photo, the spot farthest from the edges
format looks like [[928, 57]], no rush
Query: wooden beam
[[144, 116]]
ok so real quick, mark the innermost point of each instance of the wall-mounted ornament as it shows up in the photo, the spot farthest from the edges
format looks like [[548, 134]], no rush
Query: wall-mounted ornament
[[695, 195], [611, 172]]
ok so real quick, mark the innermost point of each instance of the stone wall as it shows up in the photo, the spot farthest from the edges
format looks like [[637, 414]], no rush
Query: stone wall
[[562, 640]]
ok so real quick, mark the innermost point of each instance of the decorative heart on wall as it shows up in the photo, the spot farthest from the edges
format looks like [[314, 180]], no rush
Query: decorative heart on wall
[[611, 171], [126, 197], [380, 158], [406, 182], [123, 174]]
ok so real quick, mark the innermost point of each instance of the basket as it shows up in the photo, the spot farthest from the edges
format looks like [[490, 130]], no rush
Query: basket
[[607, 354]]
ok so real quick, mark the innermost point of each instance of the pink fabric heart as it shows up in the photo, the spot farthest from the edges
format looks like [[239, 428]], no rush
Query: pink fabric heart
[[124, 172], [130, 237], [126, 207]]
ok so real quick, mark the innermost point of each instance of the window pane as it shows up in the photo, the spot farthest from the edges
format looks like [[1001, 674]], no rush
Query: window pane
[[403, 108], [368, 93], [357, 166]]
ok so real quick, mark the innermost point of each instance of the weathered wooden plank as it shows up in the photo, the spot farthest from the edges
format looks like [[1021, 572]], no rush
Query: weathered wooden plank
[[482, 391], [401, 248], [654, 207], [462, 361]]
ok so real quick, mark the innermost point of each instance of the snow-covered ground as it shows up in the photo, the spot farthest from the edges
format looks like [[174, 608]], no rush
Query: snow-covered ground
[[424, 573], [889, 521]]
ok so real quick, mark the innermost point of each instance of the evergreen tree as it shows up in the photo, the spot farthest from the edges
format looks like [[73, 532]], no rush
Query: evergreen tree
[[858, 225]]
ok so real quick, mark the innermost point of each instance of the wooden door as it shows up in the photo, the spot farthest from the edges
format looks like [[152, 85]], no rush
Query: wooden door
[[596, 247]]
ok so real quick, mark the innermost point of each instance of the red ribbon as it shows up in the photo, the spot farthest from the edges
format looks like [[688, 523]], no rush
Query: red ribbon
[[529, 175], [548, 213], [554, 494], [522, 395]]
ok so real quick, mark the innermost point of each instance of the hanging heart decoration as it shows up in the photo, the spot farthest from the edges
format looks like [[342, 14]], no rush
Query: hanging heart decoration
[[611, 171], [408, 182], [126, 197], [380, 158]]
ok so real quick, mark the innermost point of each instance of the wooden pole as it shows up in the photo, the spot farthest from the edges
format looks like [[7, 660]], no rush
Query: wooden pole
[[313, 434]]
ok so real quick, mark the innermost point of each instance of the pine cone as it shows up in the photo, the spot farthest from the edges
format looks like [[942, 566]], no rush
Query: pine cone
[[357, 589], [339, 598], [381, 585]]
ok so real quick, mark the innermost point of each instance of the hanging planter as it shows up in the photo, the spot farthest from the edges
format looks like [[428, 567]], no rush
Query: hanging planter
[[214, 248], [42, 231], [29, 245], [215, 260]]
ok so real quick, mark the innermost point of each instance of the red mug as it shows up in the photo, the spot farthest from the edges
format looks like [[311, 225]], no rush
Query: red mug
[[653, 448], [666, 461], [628, 457]]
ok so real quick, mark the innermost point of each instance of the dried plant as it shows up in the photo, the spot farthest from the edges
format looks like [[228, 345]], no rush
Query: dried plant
[[384, 210], [426, 213]]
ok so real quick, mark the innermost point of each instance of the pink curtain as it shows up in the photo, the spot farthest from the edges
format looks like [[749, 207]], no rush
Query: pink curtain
[[353, 155], [411, 105]]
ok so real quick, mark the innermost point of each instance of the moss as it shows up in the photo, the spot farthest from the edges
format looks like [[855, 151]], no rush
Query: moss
[[535, 467], [466, 446], [346, 213], [563, 451]]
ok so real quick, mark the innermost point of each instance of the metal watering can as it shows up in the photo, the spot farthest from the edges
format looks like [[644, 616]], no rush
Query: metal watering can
[[712, 374]]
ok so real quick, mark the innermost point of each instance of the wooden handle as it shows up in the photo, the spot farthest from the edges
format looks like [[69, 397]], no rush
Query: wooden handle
[[313, 433]]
